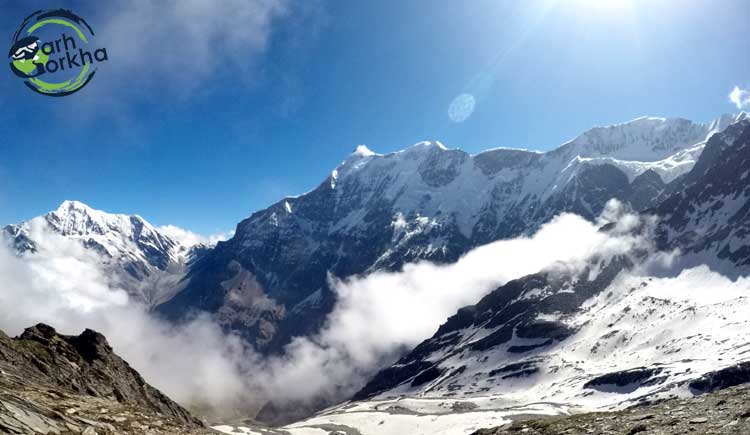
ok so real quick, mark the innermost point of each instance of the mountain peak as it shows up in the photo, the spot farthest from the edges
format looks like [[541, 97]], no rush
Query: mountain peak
[[428, 144], [644, 139], [76, 212], [74, 217], [363, 151], [145, 261], [69, 205]]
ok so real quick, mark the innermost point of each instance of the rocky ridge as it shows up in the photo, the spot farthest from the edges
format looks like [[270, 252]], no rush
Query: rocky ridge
[[57, 384]]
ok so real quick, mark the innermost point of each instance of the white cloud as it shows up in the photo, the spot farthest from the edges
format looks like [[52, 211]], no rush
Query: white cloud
[[740, 97], [182, 45], [189, 238]]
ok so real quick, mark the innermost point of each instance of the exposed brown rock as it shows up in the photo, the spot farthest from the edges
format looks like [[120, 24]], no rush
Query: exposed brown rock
[[57, 384]]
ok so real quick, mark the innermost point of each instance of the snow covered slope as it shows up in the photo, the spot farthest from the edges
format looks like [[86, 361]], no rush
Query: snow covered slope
[[140, 259], [374, 212], [637, 338], [625, 329]]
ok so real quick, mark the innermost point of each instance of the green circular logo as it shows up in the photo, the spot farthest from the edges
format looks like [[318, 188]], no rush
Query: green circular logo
[[52, 52]]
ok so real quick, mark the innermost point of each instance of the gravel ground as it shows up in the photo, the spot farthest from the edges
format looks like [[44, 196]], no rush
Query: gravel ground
[[722, 412]]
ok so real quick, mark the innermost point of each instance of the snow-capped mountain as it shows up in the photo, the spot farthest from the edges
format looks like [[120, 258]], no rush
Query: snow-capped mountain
[[612, 335], [373, 212], [138, 257]]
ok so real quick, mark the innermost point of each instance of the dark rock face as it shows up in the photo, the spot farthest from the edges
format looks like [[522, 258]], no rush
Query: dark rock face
[[514, 368], [441, 167], [587, 194], [633, 379], [426, 376], [41, 371], [19, 240], [645, 190], [493, 161], [724, 378], [708, 209]]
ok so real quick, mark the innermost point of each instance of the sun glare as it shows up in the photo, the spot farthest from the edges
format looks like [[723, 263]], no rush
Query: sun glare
[[601, 6]]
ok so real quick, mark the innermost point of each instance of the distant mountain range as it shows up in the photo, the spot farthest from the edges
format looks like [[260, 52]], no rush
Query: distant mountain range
[[546, 337], [378, 212]]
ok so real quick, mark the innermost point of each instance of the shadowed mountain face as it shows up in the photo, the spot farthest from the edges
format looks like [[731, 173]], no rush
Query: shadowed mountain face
[[270, 281], [52, 383], [708, 210]]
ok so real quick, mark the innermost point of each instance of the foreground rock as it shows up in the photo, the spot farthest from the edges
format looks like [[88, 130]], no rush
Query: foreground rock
[[724, 412], [57, 384]]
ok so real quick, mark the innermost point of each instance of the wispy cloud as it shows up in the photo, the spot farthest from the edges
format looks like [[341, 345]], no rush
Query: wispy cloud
[[179, 45], [740, 97], [189, 238], [173, 52]]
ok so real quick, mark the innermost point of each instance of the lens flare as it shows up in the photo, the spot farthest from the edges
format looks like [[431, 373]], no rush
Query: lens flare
[[461, 108]]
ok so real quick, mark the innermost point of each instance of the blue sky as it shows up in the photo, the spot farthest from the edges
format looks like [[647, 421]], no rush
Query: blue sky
[[203, 115]]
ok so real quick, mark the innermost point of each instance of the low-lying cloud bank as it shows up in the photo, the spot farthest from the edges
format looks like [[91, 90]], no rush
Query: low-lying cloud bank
[[197, 364], [382, 314], [375, 319]]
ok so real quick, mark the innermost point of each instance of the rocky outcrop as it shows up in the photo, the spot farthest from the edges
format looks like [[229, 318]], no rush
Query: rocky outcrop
[[727, 377], [57, 384], [633, 379], [722, 413]]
